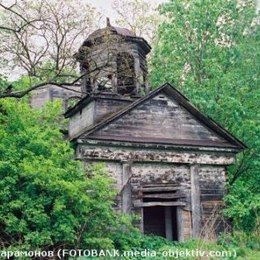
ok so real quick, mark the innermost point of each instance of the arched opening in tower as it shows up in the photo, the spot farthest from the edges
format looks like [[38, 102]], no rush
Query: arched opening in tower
[[125, 73]]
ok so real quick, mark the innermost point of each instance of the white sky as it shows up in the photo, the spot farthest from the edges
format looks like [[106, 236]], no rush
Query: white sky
[[105, 7]]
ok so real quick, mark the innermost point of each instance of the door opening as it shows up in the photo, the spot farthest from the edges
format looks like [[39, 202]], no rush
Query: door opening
[[161, 221]]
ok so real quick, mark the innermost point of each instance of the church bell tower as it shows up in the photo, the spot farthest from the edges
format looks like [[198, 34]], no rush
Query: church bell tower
[[113, 60]]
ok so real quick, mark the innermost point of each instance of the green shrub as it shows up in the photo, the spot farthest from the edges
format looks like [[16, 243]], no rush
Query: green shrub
[[46, 197]]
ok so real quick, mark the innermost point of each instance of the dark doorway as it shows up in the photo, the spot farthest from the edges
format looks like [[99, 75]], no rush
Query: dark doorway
[[161, 221], [154, 221]]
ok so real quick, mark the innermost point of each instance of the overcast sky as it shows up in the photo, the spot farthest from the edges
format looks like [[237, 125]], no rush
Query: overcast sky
[[105, 7]]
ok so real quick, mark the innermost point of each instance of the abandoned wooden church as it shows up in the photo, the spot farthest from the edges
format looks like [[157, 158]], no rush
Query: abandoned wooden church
[[167, 158]]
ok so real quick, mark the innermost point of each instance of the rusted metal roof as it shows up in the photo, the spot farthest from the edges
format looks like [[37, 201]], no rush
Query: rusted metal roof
[[113, 29], [124, 31]]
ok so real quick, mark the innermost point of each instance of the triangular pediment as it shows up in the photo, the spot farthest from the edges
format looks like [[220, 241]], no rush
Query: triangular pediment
[[165, 117]]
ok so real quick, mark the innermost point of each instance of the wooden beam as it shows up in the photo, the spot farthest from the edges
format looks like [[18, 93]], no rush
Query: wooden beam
[[162, 155], [168, 223], [158, 203], [164, 195], [126, 188], [148, 189], [195, 201], [160, 185], [180, 224]]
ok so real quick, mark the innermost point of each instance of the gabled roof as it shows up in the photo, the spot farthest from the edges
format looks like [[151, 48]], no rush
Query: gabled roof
[[175, 95]]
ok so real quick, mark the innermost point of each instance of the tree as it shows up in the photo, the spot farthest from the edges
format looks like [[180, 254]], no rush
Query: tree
[[40, 38], [210, 50], [140, 16], [43, 31], [47, 200]]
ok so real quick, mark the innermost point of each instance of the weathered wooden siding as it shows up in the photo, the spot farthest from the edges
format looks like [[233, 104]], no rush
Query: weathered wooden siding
[[164, 155], [161, 119], [102, 56], [212, 187], [93, 112], [49, 93], [81, 120], [147, 184], [185, 224], [104, 107]]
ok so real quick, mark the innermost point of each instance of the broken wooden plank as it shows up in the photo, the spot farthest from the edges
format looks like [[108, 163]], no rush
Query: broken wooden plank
[[150, 189], [158, 203], [160, 185], [164, 195]]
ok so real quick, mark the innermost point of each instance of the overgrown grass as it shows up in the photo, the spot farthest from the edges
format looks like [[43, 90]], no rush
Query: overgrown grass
[[239, 245]]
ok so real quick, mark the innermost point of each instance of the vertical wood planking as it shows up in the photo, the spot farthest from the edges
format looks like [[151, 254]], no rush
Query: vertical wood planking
[[126, 187], [180, 224], [168, 223], [195, 201]]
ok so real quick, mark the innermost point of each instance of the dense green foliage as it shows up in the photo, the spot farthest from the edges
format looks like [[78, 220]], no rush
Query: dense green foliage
[[48, 201], [45, 197], [210, 51]]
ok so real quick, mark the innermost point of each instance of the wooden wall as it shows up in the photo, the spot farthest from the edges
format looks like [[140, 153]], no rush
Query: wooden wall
[[159, 119], [145, 183]]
